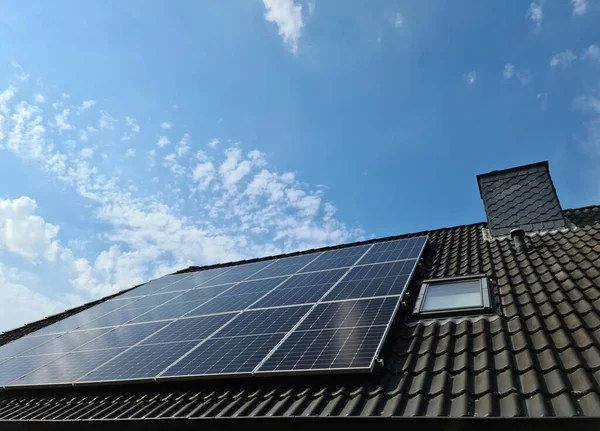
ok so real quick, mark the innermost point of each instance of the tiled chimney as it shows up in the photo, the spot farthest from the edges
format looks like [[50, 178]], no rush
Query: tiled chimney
[[520, 198]]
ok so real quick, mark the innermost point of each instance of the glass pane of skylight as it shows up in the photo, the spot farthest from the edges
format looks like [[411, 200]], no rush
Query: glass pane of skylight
[[463, 294]]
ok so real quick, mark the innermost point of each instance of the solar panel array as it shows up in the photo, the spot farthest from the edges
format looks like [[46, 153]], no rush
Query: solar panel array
[[318, 312]]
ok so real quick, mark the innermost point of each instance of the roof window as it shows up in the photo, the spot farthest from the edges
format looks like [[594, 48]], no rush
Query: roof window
[[454, 296]]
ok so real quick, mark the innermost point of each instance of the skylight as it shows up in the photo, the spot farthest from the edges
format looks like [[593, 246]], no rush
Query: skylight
[[461, 295]]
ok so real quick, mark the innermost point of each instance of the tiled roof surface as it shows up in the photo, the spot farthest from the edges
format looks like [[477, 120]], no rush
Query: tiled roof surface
[[521, 198], [539, 357]]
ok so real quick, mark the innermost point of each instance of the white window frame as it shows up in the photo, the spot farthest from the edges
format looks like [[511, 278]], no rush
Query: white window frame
[[486, 297]]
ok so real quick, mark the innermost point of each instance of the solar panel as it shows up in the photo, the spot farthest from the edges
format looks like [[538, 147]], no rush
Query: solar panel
[[265, 321], [69, 368], [195, 279], [341, 258], [315, 312], [335, 335], [326, 350], [67, 342], [238, 273], [154, 286], [22, 345], [124, 336], [17, 367], [395, 250], [226, 303], [233, 355], [302, 289], [286, 266], [374, 280], [139, 362], [193, 329]]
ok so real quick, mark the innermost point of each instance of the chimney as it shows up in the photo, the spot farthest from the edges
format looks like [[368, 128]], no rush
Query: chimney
[[520, 198]]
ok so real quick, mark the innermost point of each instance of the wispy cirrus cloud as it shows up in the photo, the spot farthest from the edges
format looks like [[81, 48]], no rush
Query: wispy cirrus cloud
[[238, 206]]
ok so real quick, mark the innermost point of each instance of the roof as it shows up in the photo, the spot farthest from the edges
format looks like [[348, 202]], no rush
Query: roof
[[540, 357], [523, 197]]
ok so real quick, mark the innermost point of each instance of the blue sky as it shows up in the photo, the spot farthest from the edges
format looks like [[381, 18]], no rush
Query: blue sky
[[141, 137]]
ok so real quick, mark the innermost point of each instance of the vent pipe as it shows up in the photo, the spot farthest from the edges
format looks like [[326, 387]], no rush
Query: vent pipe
[[518, 237]]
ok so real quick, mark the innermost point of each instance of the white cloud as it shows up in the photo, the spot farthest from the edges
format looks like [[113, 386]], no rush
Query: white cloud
[[163, 141], [5, 97], [166, 125], [65, 95], [397, 20], [38, 98], [86, 153], [592, 52], [563, 59], [542, 98], [85, 105], [239, 207], [288, 17], [213, 143], [184, 145], [204, 174], [106, 121], [25, 233], [83, 136], [590, 104], [135, 127], [21, 303], [91, 129], [56, 105], [509, 70], [524, 77], [233, 169], [580, 7], [61, 121], [536, 13], [130, 152], [470, 77]]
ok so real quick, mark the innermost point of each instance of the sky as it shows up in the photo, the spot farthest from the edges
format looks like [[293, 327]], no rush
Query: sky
[[140, 137]]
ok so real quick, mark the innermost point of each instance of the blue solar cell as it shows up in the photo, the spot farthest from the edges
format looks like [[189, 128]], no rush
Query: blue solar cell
[[66, 342], [124, 336], [115, 318], [192, 329], [302, 289], [365, 312], [285, 266], [201, 294], [14, 368], [167, 311], [225, 356], [70, 323], [264, 321], [255, 286], [139, 362], [374, 280], [238, 273], [112, 305], [224, 304], [154, 286], [68, 368], [327, 349], [340, 258], [196, 279], [22, 345], [151, 301], [388, 251]]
